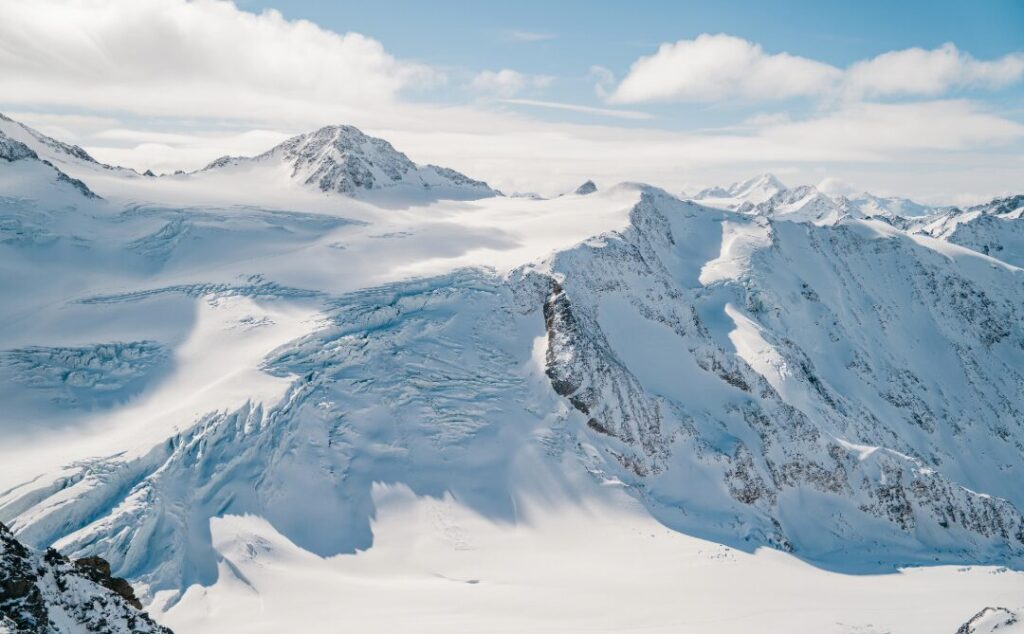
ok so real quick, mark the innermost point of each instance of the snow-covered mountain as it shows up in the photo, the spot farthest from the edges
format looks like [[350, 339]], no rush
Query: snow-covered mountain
[[341, 159], [870, 206], [45, 593], [233, 397], [993, 228], [993, 620], [766, 195], [27, 173], [754, 190]]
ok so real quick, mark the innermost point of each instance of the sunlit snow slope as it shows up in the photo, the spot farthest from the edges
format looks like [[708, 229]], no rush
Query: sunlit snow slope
[[328, 386]]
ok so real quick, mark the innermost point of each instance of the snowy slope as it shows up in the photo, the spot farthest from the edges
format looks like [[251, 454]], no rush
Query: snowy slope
[[71, 159], [208, 379]]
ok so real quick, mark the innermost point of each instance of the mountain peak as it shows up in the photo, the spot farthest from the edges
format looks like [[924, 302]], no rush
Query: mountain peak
[[42, 144], [766, 185], [343, 159], [754, 190], [586, 188], [340, 137]]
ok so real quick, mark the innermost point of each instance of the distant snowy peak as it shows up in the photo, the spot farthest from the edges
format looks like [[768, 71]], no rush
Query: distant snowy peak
[[342, 159], [766, 195], [46, 147], [754, 190], [46, 593], [869, 205], [36, 169], [800, 204], [1009, 207], [995, 228]]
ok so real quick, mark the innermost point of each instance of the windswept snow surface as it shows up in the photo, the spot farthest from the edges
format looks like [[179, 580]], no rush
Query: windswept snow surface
[[599, 564], [328, 388]]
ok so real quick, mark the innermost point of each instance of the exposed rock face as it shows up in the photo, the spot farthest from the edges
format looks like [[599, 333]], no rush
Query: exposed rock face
[[586, 188], [12, 150], [989, 621], [47, 594], [876, 444], [98, 570]]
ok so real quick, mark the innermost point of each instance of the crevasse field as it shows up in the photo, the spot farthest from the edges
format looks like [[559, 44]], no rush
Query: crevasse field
[[328, 389]]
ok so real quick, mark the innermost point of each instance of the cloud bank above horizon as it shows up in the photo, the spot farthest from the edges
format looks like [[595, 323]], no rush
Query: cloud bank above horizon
[[169, 84]]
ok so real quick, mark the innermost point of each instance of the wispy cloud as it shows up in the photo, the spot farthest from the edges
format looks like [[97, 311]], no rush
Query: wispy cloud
[[917, 71], [507, 82], [604, 112], [183, 58], [516, 35]]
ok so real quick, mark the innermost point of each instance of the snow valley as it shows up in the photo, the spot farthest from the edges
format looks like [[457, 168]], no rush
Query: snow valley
[[326, 387]]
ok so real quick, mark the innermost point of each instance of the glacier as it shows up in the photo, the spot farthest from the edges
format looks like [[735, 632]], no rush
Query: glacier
[[322, 355]]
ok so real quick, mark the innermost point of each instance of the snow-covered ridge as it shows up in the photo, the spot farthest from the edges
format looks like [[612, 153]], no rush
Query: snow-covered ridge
[[42, 144], [45, 593], [12, 150]]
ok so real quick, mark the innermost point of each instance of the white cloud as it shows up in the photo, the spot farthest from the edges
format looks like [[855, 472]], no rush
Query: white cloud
[[836, 187], [528, 36], [176, 84], [718, 67], [201, 58], [507, 82], [858, 139], [763, 119], [168, 151], [603, 112], [881, 129], [604, 80], [917, 71], [722, 67]]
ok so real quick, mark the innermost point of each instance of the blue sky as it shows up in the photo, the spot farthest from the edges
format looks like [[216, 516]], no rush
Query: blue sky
[[573, 35], [454, 33], [918, 98]]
